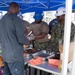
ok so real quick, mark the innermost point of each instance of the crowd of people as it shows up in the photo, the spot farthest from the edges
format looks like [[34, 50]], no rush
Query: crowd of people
[[15, 32]]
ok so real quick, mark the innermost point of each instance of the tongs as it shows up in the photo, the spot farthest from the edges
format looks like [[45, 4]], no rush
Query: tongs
[[29, 33]]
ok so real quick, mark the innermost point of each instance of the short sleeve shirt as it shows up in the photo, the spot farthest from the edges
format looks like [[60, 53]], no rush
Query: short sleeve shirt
[[38, 29], [26, 25]]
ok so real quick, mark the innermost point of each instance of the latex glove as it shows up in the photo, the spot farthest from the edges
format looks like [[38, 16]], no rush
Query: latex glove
[[30, 37]]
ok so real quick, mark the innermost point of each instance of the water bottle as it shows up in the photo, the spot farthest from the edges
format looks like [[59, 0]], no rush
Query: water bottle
[[61, 53]]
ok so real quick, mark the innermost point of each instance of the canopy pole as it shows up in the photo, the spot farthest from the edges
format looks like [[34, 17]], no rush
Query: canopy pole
[[66, 36], [73, 64]]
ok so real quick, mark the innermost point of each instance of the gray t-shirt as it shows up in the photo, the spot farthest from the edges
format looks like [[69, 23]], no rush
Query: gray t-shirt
[[26, 25], [38, 29]]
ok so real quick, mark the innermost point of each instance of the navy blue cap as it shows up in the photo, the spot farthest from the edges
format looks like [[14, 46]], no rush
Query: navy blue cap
[[38, 15]]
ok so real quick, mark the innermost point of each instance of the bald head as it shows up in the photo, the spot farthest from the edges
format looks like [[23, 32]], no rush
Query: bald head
[[13, 8]]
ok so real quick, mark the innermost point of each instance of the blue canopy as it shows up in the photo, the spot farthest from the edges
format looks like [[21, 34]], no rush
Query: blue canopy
[[34, 5]]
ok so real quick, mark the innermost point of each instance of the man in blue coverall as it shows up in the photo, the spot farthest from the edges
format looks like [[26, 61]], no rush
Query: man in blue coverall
[[12, 40]]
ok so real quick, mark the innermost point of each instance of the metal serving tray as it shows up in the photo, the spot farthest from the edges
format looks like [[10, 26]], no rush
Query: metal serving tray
[[41, 53]]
